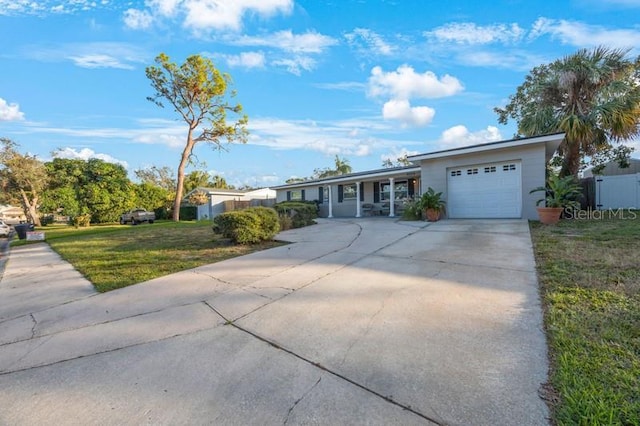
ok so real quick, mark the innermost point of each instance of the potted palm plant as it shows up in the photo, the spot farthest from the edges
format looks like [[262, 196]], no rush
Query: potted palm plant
[[432, 204], [560, 193]]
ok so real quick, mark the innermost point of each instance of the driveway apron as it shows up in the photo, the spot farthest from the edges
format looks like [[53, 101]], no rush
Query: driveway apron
[[361, 321]]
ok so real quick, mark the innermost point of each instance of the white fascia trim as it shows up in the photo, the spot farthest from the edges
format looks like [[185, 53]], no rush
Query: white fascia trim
[[557, 138], [351, 178]]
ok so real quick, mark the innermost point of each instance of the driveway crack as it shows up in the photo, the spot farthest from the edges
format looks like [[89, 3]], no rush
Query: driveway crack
[[35, 324], [300, 400], [340, 376]]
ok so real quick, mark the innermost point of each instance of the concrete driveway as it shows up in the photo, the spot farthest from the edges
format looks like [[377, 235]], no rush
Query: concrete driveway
[[368, 321]]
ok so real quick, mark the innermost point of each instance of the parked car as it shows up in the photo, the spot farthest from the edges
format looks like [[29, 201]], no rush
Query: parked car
[[5, 229], [137, 216]]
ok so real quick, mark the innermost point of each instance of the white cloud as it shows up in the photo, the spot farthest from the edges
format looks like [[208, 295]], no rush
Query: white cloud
[[137, 19], [295, 50], [347, 137], [246, 60], [405, 83], [163, 7], [207, 15], [459, 135], [286, 40], [10, 112], [347, 86], [296, 65], [472, 34], [367, 41], [402, 111], [514, 60], [46, 7], [91, 55], [86, 154], [583, 35], [99, 61], [225, 14]]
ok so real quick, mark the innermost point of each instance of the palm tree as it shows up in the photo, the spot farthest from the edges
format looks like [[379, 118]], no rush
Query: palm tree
[[342, 166], [593, 96]]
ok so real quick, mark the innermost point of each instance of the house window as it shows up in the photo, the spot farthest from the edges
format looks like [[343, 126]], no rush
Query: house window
[[491, 169], [349, 192], [472, 171], [325, 195], [456, 172], [401, 190], [296, 195], [508, 167]]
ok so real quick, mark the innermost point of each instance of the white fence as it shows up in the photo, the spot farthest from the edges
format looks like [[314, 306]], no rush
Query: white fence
[[618, 192]]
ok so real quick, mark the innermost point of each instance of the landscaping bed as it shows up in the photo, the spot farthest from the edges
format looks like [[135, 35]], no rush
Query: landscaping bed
[[589, 272]]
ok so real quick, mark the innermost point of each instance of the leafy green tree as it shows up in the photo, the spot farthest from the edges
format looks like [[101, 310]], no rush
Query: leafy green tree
[[22, 178], [94, 187], [106, 190], [593, 96], [62, 194], [197, 90], [159, 176], [152, 197], [341, 167], [400, 162]]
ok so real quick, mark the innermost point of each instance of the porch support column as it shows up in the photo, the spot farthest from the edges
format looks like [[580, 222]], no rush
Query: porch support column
[[358, 204], [330, 202], [392, 198]]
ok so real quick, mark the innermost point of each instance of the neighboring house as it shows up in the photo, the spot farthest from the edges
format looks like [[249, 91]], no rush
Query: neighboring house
[[12, 215], [617, 187], [221, 200], [491, 180]]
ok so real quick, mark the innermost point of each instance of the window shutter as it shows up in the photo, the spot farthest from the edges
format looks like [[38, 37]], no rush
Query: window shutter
[[376, 192], [411, 187], [320, 195], [340, 193], [288, 195], [361, 191], [302, 194]]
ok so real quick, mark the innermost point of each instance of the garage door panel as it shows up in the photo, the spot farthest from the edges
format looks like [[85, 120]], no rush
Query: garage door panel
[[485, 191]]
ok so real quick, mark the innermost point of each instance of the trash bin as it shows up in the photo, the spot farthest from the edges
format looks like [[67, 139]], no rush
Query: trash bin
[[22, 229]]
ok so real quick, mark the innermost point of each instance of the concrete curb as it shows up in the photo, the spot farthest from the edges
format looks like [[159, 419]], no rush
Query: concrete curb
[[5, 248]]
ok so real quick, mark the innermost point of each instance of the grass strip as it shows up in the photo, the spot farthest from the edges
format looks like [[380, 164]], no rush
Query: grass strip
[[116, 256], [590, 281]]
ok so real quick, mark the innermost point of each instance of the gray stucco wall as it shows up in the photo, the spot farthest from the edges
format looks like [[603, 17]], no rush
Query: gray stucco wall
[[434, 172]]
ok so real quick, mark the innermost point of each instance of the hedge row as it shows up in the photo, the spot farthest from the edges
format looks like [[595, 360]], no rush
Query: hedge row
[[301, 213], [248, 226]]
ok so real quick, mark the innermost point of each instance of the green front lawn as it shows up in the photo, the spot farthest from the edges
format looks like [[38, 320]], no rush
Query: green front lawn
[[115, 256], [589, 271]]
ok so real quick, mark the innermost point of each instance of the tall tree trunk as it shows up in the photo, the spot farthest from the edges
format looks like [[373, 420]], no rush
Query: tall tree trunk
[[180, 181], [30, 208], [571, 161]]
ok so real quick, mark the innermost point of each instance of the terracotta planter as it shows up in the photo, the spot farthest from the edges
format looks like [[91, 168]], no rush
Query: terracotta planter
[[433, 215], [549, 215]]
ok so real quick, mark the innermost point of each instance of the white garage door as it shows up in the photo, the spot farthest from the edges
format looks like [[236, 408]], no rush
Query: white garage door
[[485, 191]]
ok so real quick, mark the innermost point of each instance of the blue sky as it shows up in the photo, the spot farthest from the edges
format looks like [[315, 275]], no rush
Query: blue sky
[[366, 80]]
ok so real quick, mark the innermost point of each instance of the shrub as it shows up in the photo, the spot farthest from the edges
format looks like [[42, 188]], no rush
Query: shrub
[[412, 210], [301, 213], [248, 226], [82, 221], [188, 213], [285, 222]]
